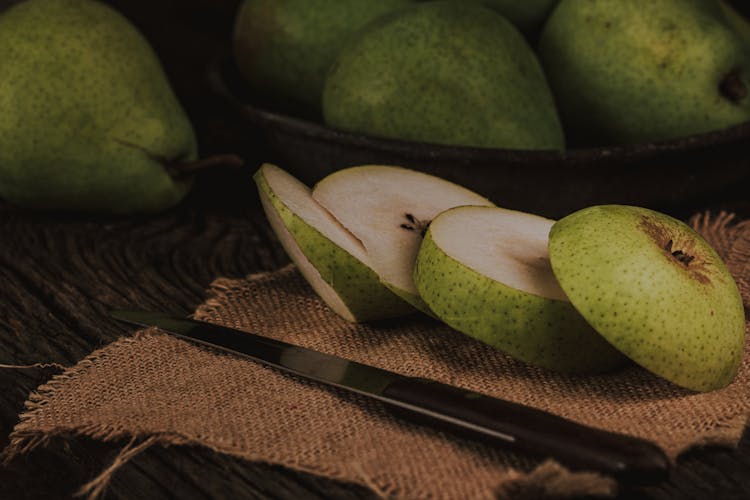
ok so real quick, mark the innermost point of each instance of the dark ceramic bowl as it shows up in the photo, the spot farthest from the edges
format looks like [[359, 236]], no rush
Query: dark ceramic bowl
[[673, 176]]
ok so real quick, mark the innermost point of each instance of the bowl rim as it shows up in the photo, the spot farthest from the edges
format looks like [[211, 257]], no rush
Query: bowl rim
[[263, 116]]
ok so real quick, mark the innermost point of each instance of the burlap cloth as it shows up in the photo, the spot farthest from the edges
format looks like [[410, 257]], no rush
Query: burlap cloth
[[152, 388]]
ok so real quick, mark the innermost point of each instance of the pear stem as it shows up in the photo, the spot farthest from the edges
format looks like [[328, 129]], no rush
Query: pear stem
[[180, 169], [732, 87], [679, 254]]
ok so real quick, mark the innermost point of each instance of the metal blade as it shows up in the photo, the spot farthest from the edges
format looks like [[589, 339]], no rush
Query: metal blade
[[314, 365], [458, 410]]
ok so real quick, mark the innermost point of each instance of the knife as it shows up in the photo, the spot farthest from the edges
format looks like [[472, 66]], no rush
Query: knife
[[467, 413]]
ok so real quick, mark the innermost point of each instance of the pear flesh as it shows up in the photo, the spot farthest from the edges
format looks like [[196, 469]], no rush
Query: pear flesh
[[655, 289], [89, 121], [388, 209], [333, 262], [485, 272]]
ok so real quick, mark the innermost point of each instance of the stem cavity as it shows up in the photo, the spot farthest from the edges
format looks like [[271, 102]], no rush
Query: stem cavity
[[681, 256]]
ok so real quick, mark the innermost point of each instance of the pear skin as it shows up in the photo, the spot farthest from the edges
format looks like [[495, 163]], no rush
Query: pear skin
[[644, 70], [89, 121]]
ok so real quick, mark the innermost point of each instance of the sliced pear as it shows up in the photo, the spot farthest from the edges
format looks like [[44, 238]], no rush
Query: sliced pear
[[655, 289], [486, 272], [333, 261], [388, 209]]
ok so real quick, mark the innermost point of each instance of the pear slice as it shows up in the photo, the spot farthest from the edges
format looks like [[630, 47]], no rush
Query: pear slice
[[486, 272], [332, 260], [388, 209], [655, 289]]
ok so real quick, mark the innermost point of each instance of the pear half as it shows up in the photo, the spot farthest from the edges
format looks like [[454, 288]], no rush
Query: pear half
[[486, 272], [332, 260], [653, 288], [388, 209]]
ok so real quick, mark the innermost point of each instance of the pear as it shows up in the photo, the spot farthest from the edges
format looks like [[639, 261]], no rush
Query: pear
[[644, 70], [485, 272], [332, 260], [654, 289], [388, 209], [284, 48], [88, 121], [443, 72]]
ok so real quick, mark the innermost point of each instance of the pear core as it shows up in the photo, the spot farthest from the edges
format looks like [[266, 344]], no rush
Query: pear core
[[387, 209]]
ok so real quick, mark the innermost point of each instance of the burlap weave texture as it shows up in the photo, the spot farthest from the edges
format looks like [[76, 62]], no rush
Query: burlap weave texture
[[155, 387]]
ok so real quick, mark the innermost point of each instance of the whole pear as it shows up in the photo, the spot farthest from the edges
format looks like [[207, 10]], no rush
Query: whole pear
[[644, 70], [88, 121], [443, 72], [284, 48]]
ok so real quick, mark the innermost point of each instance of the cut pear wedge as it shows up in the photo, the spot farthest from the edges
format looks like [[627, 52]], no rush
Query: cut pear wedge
[[655, 289], [388, 209], [331, 259], [486, 272]]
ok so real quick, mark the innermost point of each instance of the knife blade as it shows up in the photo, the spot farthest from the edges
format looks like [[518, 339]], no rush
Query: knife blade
[[466, 413]]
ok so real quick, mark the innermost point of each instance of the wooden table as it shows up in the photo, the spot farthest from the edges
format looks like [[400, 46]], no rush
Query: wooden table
[[60, 275]]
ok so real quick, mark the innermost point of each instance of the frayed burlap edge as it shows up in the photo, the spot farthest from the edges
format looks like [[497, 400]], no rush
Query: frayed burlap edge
[[547, 478]]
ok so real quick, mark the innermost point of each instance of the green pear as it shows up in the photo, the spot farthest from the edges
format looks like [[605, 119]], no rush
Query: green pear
[[333, 261], [485, 272], [89, 121], [644, 70], [388, 210], [284, 48], [654, 289], [443, 72]]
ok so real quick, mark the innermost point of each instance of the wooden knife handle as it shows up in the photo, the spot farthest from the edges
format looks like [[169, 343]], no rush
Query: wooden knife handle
[[495, 421]]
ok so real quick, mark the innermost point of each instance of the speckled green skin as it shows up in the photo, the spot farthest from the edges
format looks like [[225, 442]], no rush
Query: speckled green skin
[[642, 70], [540, 331], [87, 116], [285, 47], [682, 322], [443, 72], [527, 15], [358, 287]]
